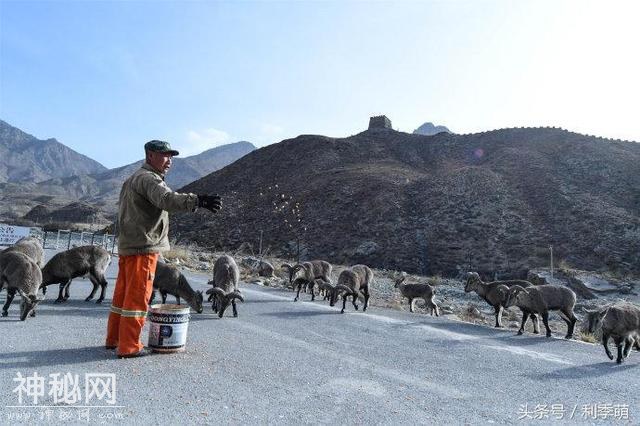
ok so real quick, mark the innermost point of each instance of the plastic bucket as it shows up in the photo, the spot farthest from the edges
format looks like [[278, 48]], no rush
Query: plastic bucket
[[168, 326]]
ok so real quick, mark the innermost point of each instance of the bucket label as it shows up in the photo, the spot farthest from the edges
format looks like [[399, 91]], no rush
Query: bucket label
[[168, 318], [168, 330]]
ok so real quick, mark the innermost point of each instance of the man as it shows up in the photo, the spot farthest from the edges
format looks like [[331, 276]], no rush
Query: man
[[143, 228]]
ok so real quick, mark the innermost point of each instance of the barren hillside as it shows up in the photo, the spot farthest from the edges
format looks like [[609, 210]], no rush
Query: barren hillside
[[493, 201]]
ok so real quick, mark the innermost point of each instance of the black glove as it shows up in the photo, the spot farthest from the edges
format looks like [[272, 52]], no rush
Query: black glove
[[210, 202]]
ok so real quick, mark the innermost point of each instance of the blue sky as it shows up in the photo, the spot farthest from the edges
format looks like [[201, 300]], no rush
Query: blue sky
[[104, 77]]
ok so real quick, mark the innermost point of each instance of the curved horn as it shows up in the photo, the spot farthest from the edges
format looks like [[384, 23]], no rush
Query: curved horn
[[344, 288], [237, 295], [286, 266], [216, 290]]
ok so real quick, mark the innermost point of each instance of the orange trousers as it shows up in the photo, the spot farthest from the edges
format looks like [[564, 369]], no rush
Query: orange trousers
[[130, 302]]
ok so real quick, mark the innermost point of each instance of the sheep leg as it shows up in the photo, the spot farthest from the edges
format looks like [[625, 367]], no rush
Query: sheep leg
[[525, 317], [298, 293], [164, 296], [628, 343], [313, 292], [60, 298], [152, 297], [353, 300], [498, 311], [11, 293], [536, 324], [177, 300], [66, 290], [605, 343], [344, 303], [571, 325], [619, 343], [95, 288], [235, 310], [366, 299], [545, 320], [99, 279], [434, 307]]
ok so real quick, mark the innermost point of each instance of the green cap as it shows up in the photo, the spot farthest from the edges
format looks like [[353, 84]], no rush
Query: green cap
[[160, 146]]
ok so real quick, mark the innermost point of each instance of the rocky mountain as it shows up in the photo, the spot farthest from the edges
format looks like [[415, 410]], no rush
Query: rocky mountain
[[24, 158], [493, 201], [429, 129], [102, 189]]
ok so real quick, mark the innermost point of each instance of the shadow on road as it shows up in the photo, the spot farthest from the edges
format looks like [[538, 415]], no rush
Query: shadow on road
[[581, 371], [33, 359], [530, 340]]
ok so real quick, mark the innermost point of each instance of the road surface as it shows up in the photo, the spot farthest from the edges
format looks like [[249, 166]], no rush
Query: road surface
[[285, 362]]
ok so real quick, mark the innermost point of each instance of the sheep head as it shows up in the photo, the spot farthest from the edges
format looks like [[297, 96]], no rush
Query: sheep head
[[399, 278], [515, 296], [336, 291], [289, 270], [472, 278], [196, 303], [226, 300], [595, 318], [28, 304], [295, 270], [219, 298]]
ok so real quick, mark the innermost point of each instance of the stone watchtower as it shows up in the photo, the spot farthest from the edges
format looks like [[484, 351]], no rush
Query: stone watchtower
[[379, 122]]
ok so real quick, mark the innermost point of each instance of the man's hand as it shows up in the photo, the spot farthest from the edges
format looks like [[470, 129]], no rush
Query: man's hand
[[210, 202]]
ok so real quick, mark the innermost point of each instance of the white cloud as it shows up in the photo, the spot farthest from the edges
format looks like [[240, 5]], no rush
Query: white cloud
[[199, 141]]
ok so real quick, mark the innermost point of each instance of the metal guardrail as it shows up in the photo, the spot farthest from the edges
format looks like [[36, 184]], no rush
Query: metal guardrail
[[65, 239]]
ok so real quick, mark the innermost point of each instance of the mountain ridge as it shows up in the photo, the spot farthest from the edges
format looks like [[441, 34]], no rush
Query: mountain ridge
[[492, 201], [28, 159]]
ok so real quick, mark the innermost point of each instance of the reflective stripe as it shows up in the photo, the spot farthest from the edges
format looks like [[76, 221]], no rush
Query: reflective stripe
[[133, 314], [128, 313]]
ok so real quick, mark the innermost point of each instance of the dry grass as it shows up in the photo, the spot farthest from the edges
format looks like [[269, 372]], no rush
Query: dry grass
[[588, 337], [471, 314], [179, 253], [564, 267], [434, 281]]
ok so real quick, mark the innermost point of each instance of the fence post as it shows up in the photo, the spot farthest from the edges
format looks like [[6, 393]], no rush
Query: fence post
[[69, 241], [93, 236]]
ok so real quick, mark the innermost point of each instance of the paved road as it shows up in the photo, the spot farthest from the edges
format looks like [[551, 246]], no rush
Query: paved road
[[282, 362]]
